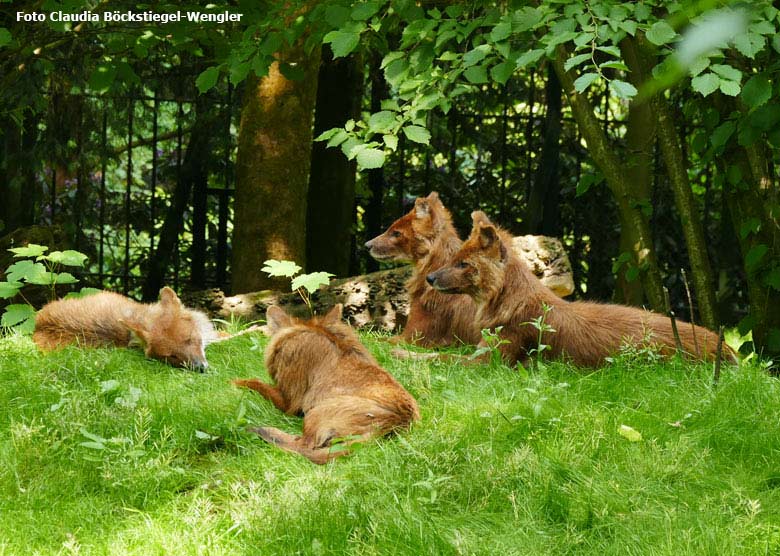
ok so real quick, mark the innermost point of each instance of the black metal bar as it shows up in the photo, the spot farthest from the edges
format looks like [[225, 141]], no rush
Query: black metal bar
[[224, 196], [179, 159], [102, 194], [153, 207], [128, 187], [503, 191], [77, 208], [529, 130]]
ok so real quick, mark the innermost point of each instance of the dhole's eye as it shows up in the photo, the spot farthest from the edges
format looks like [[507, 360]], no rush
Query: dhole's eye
[[462, 264], [395, 233]]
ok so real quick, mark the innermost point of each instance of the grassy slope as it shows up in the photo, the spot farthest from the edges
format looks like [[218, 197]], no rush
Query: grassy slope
[[500, 464]]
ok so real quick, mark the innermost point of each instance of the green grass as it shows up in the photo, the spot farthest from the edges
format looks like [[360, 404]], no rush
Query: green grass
[[499, 465]]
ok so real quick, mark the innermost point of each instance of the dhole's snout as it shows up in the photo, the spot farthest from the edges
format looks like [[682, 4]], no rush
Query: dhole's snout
[[431, 278], [369, 244], [199, 366]]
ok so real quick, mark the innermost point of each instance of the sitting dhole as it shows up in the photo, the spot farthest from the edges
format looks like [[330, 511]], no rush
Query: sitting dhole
[[509, 295], [323, 371], [167, 330], [426, 237]]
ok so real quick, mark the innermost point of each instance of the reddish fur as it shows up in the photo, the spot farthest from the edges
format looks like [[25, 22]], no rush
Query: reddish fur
[[322, 371], [168, 330], [509, 295], [426, 237]]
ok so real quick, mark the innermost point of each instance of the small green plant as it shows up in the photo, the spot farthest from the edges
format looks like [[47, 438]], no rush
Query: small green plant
[[304, 284], [37, 268], [493, 341], [540, 323]]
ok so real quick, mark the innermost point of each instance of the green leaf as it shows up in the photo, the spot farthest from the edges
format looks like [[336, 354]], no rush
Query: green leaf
[[706, 83], [417, 133], [327, 134], [31, 250], [629, 433], [476, 74], [381, 122], [501, 73], [16, 314], [102, 77], [772, 278], [42, 279], [200, 435], [342, 42], [575, 61], [528, 58], [754, 256], [586, 181], [5, 36], [83, 292], [730, 88], [365, 10], [9, 289], [338, 138], [729, 73], [207, 79], [622, 89], [370, 158], [93, 445], [476, 55], [25, 270], [313, 280], [611, 50], [735, 340], [757, 91], [749, 44], [501, 31], [67, 258], [287, 269], [722, 133], [660, 33], [64, 278], [526, 18], [584, 81], [391, 141], [614, 64]]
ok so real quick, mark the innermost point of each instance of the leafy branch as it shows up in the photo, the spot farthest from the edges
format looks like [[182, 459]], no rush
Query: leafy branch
[[304, 284]]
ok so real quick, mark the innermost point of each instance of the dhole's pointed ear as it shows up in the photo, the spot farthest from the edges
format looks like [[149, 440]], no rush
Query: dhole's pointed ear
[[479, 217], [433, 197], [334, 315], [277, 318], [169, 297], [488, 235], [422, 209]]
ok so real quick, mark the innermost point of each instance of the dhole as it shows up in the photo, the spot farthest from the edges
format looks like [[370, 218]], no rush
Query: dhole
[[323, 372], [426, 237], [509, 295], [167, 330]]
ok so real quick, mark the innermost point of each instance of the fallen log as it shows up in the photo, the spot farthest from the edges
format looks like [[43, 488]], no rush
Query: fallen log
[[377, 300]]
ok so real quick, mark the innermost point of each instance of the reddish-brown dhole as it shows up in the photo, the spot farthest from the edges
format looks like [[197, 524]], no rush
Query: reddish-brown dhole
[[167, 330], [426, 237], [510, 296], [322, 371]]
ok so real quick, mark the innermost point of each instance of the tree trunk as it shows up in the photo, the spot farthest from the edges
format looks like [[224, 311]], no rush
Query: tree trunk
[[690, 219], [376, 177], [331, 202], [272, 170], [543, 208], [641, 59], [747, 202], [634, 224]]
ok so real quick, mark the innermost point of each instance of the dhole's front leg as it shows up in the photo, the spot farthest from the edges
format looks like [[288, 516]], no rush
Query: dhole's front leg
[[270, 393]]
